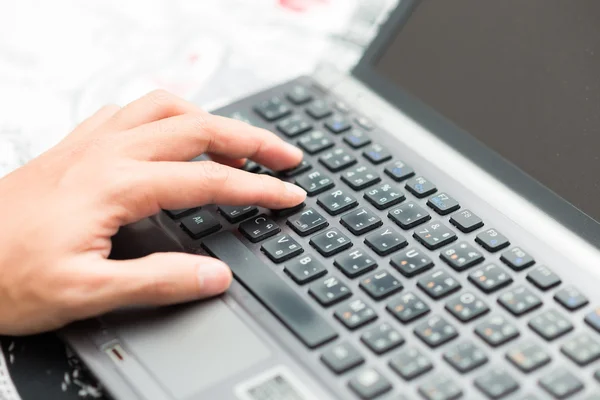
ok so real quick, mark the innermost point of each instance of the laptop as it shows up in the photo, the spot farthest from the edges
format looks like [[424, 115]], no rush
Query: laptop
[[448, 247]]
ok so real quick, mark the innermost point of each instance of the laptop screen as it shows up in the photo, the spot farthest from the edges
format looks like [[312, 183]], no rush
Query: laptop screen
[[523, 77]]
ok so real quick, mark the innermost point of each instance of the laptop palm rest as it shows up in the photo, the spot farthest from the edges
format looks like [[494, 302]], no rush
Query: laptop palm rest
[[188, 349]]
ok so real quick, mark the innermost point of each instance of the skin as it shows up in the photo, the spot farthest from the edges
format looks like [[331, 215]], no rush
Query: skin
[[59, 211]]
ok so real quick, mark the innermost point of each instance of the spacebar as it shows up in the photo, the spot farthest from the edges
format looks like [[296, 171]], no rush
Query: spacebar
[[270, 289]]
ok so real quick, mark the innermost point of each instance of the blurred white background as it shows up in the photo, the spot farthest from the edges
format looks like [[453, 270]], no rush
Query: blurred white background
[[60, 60]]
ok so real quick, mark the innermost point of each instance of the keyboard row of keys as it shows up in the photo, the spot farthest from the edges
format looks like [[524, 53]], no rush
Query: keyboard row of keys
[[465, 307]]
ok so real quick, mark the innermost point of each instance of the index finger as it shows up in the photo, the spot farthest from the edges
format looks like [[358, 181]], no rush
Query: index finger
[[186, 136]]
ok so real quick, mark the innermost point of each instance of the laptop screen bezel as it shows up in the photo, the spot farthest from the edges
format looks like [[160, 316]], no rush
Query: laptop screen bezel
[[489, 160]]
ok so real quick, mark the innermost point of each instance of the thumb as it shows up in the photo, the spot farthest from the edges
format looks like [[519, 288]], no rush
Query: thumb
[[159, 279]]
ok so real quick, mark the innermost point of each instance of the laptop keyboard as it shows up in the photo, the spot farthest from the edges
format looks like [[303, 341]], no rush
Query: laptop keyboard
[[356, 271]]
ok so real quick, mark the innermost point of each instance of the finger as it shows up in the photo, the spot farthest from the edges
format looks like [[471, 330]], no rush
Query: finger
[[93, 122], [230, 162], [151, 107], [184, 137], [157, 279], [173, 185]]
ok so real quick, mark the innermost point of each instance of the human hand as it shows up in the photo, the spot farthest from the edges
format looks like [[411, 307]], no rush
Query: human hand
[[59, 212]]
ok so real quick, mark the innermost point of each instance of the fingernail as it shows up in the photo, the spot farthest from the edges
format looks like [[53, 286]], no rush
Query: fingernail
[[213, 277], [296, 190]]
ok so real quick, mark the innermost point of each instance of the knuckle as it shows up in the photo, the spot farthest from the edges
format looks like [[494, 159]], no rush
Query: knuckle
[[160, 97]]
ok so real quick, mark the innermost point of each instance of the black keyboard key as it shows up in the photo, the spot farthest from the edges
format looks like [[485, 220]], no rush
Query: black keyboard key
[[337, 124], [360, 177], [543, 277], [330, 242], [299, 95], [385, 241], [262, 282], [411, 262], [440, 387], [337, 160], [571, 298], [496, 330], [315, 182], [380, 285], [294, 125], [438, 284], [467, 306], [377, 154], [409, 215], [369, 383], [443, 204], [407, 307], [550, 324], [399, 171], [411, 363], [284, 212], [299, 169], [181, 212], [420, 187], [307, 222], [259, 228], [561, 383], [517, 259], [355, 263], [496, 383], [461, 256], [251, 166], [593, 319], [329, 291], [337, 201], [582, 349], [235, 214], [355, 314], [519, 300], [465, 357], [466, 221], [384, 196], [315, 142], [319, 109], [435, 331], [382, 338], [492, 240], [490, 278], [272, 109], [305, 269], [434, 235], [356, 139], [281, 248], [342, 357], [528, 356], [200, 224], [361, 221]]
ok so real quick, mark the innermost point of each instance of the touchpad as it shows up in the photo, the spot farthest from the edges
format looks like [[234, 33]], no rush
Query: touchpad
[[190, 348]]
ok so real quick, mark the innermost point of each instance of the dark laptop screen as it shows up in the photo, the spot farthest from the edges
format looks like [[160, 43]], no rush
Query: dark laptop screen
[[521, 76]]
